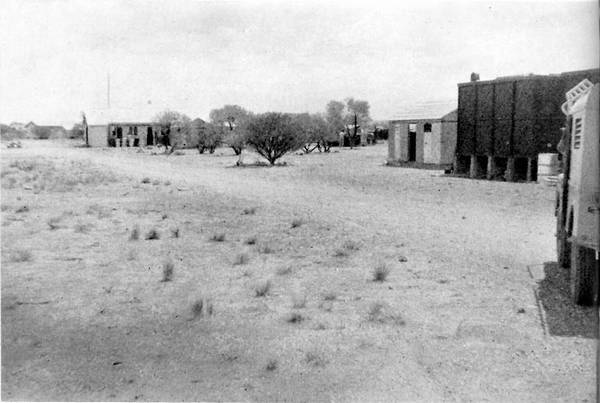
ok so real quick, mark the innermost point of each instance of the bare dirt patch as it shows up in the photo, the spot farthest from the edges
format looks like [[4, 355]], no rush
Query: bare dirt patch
[[89, 316]]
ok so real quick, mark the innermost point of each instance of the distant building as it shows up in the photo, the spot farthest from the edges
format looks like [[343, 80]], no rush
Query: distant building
[[425, 133], [118, 128]]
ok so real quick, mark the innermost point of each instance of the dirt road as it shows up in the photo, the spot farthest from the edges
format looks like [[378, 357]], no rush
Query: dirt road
[[486, 312]]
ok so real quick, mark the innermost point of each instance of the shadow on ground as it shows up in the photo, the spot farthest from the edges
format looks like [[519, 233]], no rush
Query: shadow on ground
[[562, 316]]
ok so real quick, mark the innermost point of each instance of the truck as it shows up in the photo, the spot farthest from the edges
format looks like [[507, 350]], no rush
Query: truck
[[578, 193]]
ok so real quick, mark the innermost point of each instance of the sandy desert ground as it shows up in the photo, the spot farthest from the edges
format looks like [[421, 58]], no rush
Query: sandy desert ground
[[473, 308]]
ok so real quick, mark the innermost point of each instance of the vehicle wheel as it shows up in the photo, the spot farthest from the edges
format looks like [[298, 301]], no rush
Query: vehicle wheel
[[584, 275]]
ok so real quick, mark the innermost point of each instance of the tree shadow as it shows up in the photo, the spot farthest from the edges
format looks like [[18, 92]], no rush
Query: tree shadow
[[562, 316]]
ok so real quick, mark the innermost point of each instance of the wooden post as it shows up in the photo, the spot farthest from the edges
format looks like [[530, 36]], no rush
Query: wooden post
[[509, 175], [491, 167], [474, 168], [529, 169]]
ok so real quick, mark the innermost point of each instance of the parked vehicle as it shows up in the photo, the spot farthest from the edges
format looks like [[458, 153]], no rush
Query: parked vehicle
[[578, 193]]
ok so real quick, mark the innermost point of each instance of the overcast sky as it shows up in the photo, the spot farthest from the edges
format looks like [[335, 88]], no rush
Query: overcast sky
[[193, 56]]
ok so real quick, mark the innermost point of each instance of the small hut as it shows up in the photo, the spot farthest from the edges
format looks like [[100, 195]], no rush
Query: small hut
[[425, 134]]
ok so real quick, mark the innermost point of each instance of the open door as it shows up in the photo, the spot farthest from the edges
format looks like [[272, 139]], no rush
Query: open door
[[150, 137]]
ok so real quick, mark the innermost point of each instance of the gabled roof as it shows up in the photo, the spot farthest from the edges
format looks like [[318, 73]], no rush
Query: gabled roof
[[433, 110], [120, 115]]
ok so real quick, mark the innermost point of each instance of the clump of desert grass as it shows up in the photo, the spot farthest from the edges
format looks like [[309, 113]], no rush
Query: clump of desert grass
[[314, 358], [135, 233], [380, 312], [249, 211], [298, 300], [82, 228], [54, 222], [329, 296], [283, 270], [22, 209], [241, 259], [152, 235], [381, 272], [271, 365], [294, 317], [21, 255], [346, 248], [265, 249], [202, 306], [262, 288], [218, 237], [168, 271]]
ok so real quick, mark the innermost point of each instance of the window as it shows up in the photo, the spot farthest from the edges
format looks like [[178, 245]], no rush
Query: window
[[577, 132], [427, 127]]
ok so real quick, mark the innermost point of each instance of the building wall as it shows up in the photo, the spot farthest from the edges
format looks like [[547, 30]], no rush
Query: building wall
[[97, 136], [448, 142], [432, 143], [398, 142]]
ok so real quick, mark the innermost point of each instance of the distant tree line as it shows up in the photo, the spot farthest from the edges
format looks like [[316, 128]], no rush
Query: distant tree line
[[271, 134]]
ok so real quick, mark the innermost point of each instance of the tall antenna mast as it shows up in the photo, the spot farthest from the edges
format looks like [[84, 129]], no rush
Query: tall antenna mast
[[108, 89]]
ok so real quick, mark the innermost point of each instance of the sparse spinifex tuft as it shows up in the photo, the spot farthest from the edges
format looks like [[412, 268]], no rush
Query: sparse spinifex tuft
[[218, 237], [168, 270], [152, 234], [380, 272], [240, 259], [262, 288], [135, 234], [21, 255]]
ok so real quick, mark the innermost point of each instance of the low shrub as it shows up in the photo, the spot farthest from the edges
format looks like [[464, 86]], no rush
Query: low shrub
[[218, 237], [152, 235], [168, 271], [262, 288], [380, 272]]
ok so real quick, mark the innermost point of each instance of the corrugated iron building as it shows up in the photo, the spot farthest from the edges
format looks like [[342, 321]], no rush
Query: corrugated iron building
[[503, 124]]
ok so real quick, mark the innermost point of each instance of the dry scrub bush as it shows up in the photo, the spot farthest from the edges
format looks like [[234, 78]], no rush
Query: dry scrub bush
[[381, 313], [266, 249], [284, 270], [314, 358], [168, 270], [240, 259], [135, 234], [271, 365], [329, 296], [294, 317], [54, 222], [380, 272], [298, 300], [152, 234], [53, 176], [218, 237], [82, 228], [262, 288], [21, 255]]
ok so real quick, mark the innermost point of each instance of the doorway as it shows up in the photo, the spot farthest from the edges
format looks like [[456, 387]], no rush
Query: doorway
[[412, 142], [150, 137]]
